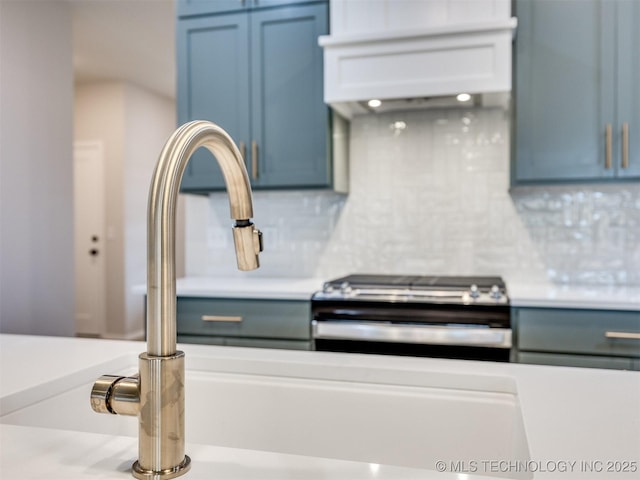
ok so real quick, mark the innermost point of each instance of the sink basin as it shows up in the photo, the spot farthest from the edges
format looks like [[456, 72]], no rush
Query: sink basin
[[409, 419]]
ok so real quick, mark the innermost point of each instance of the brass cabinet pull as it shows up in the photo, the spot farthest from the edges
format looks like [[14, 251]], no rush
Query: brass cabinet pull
[[221, 318], [623, 335], [608, 137], [254, 160], [625, 145], [243, 150]]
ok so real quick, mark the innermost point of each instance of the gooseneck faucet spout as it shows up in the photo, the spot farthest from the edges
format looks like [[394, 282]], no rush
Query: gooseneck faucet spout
[[157, 394], [163, 195]]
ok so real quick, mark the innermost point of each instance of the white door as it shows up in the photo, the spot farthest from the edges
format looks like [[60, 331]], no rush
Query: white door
[[89, 218]]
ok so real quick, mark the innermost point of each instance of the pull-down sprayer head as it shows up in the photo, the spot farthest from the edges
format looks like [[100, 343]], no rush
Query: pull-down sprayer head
[[248, 242]]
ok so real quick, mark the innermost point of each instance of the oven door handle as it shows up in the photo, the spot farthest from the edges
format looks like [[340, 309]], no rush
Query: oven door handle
[[472, 336]]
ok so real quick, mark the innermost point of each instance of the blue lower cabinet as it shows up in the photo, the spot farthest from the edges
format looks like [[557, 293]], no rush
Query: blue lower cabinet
[[588, 361], [245, 322], [267, 343], [577, 337], [246, 342], [259, 75], [209, 340]]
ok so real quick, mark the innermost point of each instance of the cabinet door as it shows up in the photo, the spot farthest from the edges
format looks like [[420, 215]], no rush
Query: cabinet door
[[289, 117], [565, 91], [628, 15], [213, 84]]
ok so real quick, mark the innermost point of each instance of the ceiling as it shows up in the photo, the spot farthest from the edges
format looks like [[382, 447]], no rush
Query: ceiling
[[127, 40]]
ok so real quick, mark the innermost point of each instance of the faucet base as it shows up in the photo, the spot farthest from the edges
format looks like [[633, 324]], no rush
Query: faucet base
[[161, 452], [174, 472]]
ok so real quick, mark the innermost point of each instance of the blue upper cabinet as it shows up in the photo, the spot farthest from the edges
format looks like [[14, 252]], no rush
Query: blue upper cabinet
[[203, 7], [187, 8], [576, 66], [213, 84], [628, 19], [289, 118], [258, 74]]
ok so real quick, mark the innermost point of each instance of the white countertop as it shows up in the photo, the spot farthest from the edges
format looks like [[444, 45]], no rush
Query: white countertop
[[574, 296], [253, 287], [570, 415], [521, 295]]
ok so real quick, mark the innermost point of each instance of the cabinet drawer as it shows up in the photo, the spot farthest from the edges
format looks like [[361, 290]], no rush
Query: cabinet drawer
[[244, 318], [589, 361], [598, 332]]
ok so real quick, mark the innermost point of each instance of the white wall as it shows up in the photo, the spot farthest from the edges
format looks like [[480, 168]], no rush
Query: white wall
[[36, 167], [133, 125], [150, 119]]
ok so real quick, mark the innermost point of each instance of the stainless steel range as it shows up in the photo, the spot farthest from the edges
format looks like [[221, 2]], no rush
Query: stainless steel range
[[434, 316]]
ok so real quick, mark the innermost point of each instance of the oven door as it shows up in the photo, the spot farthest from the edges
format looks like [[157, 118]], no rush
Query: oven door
[[464, 335], [447, 330]]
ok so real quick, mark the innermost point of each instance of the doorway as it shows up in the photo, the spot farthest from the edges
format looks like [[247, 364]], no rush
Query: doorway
[[89, 220]]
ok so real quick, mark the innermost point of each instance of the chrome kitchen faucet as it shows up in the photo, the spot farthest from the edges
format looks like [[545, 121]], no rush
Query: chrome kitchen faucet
[[156, 394]]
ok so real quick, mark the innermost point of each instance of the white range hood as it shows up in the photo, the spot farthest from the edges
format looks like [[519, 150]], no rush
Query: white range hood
[[393, 50]]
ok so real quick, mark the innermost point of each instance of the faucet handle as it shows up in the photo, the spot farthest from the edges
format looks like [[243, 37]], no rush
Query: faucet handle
[[248, 242], [101, 393], [116, 394]]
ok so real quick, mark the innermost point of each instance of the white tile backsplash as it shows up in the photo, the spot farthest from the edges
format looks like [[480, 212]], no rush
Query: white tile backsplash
[[429, 193], [587, 234], [296, 226]]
